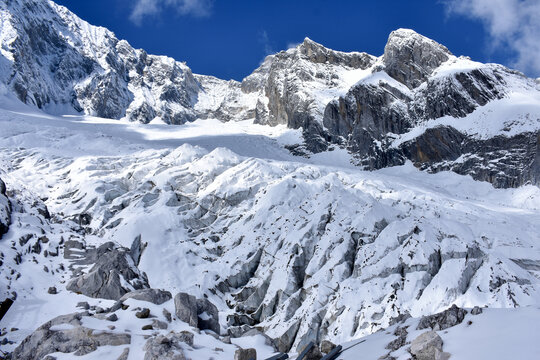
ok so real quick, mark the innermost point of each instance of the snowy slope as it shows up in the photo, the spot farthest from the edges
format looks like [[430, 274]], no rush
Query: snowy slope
[[286, 245]]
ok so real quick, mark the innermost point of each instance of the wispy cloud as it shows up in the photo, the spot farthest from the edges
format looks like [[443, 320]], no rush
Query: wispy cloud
[[265, 41], [146, 8], [511, 24], [292, 45]]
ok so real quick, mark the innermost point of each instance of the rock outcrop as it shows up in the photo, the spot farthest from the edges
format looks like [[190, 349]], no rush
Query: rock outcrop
[[113, 275], [185, 308], [155, 296], [208, 316], [428, 346], [5, 210], [167, 347], [245, 354], [369, 119], [290, 84], [200, 313], [66, 334], [411, 58], [443, 320], [64, 63]]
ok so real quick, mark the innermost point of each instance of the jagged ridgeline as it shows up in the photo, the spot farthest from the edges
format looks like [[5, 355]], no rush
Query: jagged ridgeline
[[416, 102]]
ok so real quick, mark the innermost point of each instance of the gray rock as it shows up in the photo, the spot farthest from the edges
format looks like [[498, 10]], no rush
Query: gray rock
[[78, 339], [245, 354], [136, 249], [310, 351], [238, 331], [112, 317], [167, 315], [410, 57], [5, 210], [326, 346], [52, 290], [400, 341], [185, 308], [104, 278], [157, 324], [143, 314], [116, 306], [155, 296], [443, 320], [476, 310], [84, 305], [428, 346], [167, 347], [286, 340], [124, 355], [208, 316]]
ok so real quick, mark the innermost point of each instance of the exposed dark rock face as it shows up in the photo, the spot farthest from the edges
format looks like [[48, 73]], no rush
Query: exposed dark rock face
[[208, 315], [185, 307], [410, 58], [443, 320], [503, 161], [104, 280], [155, 296], [200, 313], [371, 116], [5, 210]]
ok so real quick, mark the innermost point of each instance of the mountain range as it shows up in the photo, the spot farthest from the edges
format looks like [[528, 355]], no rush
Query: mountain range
[[325, 197]]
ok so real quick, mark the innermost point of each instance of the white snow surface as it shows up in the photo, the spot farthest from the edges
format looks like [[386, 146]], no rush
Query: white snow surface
[[179, 185], [494, 334]]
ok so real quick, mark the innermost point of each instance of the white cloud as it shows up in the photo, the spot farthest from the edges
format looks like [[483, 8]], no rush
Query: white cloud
[[511, 24], [144, 8], [265, 41]]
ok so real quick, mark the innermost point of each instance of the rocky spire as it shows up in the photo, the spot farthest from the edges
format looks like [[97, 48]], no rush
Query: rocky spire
[[410, 57]]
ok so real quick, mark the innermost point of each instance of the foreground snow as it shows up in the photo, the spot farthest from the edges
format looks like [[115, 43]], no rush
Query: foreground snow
[[495, 334]]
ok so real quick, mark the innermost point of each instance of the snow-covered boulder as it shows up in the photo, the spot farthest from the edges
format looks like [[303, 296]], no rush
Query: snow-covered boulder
[[113, 275], [428, 346], [67, 334], [155, 296]]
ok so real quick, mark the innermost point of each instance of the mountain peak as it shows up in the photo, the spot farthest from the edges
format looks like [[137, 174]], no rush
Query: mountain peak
[[410, 57]]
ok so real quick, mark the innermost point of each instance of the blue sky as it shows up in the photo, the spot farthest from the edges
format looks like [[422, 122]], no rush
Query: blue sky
[[230, 38]]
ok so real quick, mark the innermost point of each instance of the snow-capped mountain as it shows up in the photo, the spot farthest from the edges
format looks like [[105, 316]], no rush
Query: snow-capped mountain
[[416, 102], [254, 223]]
